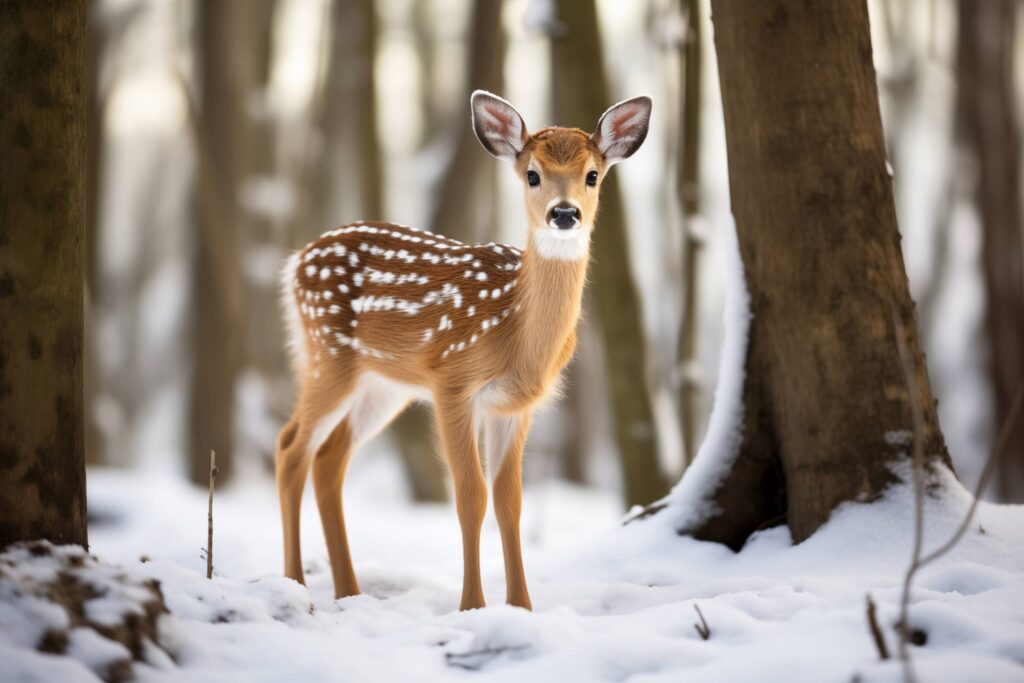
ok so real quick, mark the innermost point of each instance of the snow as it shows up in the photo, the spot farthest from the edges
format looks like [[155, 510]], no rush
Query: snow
[[612, 602]]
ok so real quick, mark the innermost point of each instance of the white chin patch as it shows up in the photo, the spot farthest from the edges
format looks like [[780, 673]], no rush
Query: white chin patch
[[564, 245]]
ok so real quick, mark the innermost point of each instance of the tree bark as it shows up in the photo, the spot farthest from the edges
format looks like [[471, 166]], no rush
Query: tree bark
[[826, 402], [987, 132], [580, 96], [42, 220], [230, 67]]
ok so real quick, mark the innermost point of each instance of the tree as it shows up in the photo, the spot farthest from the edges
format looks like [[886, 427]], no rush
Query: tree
[[42, 218], [580, 95], [988, 134], [231, 64], [826, 405]]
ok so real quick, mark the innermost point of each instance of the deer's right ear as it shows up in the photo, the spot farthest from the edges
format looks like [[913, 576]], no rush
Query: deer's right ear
[[498, 126]]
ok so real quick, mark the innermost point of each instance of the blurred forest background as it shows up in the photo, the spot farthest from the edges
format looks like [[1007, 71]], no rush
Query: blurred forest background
[[223, 133]]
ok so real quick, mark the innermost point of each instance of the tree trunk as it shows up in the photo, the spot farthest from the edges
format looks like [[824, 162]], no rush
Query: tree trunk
[[465, 207], [827, 407], [229, 70], [580, 96], [987, 131], [42, 220], [351, 187]]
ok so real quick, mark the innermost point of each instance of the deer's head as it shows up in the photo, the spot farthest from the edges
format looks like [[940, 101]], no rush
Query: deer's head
[[561, 168]]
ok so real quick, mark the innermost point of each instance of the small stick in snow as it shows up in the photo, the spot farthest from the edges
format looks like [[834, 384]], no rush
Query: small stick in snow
[[209, 516], [876, 632], [702, 627]]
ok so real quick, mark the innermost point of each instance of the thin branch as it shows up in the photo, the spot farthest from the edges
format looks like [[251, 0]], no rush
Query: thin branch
[[876, 632], [702, 628], [209, 516], [918, 465]]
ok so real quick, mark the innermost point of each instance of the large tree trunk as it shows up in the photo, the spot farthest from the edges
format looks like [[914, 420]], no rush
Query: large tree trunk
[[42, 215], [580, 95], [230, 66], [826, 402], [987, 132]]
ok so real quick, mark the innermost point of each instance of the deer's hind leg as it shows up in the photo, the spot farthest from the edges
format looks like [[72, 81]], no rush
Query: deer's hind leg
[[372, 405], [292, 466], [299, 435]]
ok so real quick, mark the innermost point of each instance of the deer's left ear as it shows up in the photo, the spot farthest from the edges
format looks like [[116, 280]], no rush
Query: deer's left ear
[[498, 126], [622, 129]]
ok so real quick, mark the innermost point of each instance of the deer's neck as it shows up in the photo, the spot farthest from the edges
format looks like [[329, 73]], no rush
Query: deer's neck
[[549, 300]]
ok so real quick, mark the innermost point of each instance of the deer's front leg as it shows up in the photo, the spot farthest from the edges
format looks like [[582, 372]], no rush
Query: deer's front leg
[[504, 438], [458, 439]]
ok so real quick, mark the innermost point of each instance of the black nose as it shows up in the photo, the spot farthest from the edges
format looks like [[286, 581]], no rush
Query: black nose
[[564, 217]]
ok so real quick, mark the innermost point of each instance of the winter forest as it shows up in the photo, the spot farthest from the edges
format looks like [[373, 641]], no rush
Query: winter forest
[[505, 340]]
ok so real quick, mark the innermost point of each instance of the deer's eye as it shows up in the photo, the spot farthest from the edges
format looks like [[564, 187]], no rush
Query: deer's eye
[[592, 178], [533, 178]]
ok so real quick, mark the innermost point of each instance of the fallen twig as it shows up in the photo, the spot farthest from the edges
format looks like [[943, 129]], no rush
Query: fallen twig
[[209, 516], [702, 628], [475, 659], [876, 632]]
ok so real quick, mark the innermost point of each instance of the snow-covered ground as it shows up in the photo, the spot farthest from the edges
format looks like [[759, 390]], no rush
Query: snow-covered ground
[[612, 602]]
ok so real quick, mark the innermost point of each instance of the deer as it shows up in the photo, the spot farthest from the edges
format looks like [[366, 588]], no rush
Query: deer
[[380, 314]]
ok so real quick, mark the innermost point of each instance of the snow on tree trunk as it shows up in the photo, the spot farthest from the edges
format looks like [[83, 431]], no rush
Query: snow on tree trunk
[[825, 405], [42, 214]]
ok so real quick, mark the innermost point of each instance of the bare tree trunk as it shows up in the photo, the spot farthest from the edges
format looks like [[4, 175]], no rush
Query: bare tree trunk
[[987, 131], [230, 68], [465, 207], [42, 220], [351, 186], [580, 96], [827, 410], [688, 175]]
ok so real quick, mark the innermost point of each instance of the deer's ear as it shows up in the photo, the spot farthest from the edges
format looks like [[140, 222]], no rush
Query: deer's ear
[[622, 129], [498, 126]]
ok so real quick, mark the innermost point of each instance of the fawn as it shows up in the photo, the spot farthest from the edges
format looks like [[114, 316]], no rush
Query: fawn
[[380, 314]]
